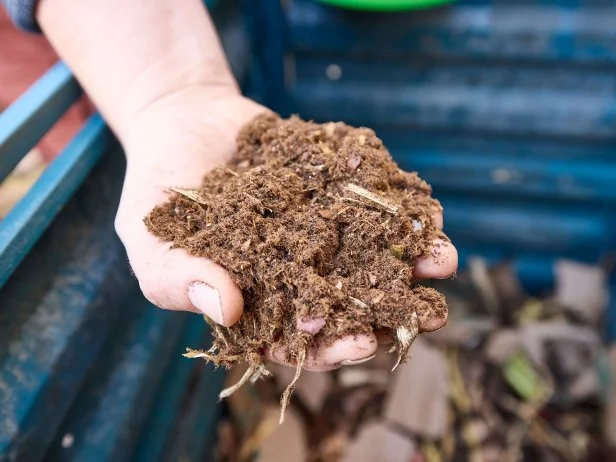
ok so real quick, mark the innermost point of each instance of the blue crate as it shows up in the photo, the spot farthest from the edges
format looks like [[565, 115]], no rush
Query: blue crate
[[507, 108]]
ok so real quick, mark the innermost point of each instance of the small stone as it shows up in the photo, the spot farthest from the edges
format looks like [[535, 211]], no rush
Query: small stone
[[353, 161], [68, 440]]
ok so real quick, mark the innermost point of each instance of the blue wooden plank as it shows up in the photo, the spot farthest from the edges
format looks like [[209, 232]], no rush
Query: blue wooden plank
[[25, 122], [573, 232], [197, 435], [26, 222], [461, 107], [57, 310], [407, 143], [535, 271], [500, 75], [109, 414], [554, 31], [267, 26], [557, 179], [164, 418]]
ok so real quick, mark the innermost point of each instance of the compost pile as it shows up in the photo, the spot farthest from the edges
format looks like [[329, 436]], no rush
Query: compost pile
[[313, 222], [511, 378]]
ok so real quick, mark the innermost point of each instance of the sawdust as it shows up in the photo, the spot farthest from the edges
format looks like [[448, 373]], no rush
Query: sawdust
[[311, 221]]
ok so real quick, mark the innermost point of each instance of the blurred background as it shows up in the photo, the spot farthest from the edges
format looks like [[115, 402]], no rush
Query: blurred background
[[507, 107], [23, 59]]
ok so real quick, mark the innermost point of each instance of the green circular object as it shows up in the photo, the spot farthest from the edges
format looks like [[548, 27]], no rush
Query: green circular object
[[385, 5]]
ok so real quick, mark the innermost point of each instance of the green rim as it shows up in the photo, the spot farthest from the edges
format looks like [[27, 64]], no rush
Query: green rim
[[385, 5]]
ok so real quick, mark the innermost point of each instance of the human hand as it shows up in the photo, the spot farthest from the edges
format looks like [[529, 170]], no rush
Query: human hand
[[174, 142]]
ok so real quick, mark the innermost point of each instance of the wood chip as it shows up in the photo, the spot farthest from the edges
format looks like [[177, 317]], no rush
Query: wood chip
[[391, 208], [190, 194], [325, 148], [327, 214], [359, 303], [377, 299]]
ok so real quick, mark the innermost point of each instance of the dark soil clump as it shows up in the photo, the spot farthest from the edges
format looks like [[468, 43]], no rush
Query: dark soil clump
[[312, 221]]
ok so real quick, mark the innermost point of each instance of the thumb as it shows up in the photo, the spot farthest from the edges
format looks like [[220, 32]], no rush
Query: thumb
[[170, 278]]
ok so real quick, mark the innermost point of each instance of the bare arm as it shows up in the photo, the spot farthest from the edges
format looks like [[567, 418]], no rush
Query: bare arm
[[157, 72], [129, 54]]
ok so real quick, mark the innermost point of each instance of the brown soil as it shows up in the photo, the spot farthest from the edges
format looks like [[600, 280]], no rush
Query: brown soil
[[312, 221]]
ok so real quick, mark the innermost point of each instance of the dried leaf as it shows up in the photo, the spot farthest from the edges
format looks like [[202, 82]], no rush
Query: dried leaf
[[397, 251], [190, 194]]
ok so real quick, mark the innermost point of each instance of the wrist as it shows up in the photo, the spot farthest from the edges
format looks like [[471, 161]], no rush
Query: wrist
[[191, 123], [154, 50], [167, 100]]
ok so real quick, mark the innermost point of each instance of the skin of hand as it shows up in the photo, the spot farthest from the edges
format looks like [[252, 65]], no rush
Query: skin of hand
[[160, 79]]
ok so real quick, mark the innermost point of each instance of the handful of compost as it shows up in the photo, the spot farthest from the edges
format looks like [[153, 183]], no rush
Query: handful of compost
[[319, 227]]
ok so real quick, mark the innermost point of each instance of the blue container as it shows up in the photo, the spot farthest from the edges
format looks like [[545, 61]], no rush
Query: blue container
[[508, 108]]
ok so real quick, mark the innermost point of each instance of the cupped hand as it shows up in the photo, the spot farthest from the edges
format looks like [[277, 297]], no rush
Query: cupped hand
[[174, 142]]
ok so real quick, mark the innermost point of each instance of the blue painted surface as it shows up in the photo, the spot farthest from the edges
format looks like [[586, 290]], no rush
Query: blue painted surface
[[57, 310], [31, 216], [25, 122], [87, 366], [552, 31], [508, 108], [166, 413], [106, 421], [197, 433]]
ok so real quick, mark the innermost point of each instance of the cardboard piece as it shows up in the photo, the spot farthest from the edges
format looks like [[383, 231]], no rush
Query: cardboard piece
[[418, 398], [286, 442], [379, 442], [581, 288]]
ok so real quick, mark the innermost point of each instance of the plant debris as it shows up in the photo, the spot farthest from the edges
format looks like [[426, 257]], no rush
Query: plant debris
[[537, 385], [313, 222]]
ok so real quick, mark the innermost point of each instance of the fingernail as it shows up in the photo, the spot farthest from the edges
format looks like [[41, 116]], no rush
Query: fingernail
[[355, 362], [206, 299]]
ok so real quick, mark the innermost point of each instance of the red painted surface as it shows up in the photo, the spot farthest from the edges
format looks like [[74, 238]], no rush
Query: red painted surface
[[23, 59]]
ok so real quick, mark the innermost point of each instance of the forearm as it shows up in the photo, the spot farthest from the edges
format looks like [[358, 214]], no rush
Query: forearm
[[129, 55]]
